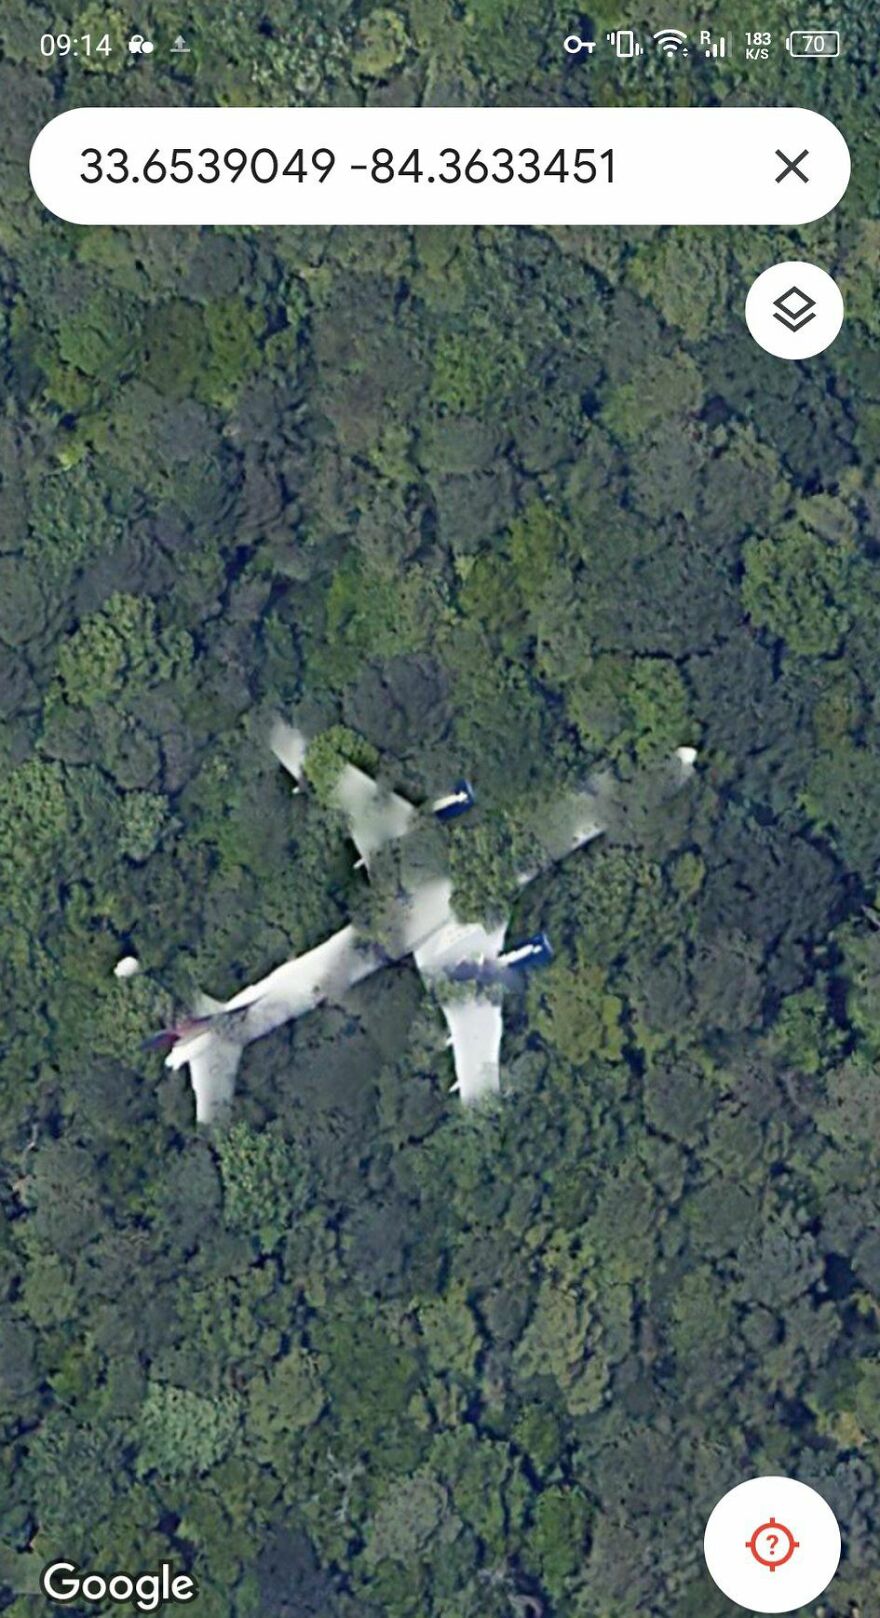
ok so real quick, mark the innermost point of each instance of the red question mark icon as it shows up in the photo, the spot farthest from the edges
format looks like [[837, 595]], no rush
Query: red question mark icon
[[768, 1532]]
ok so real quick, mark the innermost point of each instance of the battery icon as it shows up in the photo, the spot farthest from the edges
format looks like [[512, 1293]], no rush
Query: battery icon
[[807, 42]]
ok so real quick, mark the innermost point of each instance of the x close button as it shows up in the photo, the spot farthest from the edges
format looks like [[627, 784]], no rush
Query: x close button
[[792, 166]]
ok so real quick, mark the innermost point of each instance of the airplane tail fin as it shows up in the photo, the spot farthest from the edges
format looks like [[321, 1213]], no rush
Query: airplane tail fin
[[204, 1009], [168, 1039]]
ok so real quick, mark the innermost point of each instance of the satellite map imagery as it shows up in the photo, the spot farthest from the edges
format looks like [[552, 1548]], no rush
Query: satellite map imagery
[[439, 830]]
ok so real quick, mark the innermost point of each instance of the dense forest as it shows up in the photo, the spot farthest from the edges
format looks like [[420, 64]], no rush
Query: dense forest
[[504, 503]]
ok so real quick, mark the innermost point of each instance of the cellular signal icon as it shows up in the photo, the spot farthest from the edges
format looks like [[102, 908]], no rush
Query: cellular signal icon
[[670, 41]]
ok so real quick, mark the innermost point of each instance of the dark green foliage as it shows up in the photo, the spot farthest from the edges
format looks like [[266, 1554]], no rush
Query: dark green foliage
[[329, 752], [262, 1183], [485, 859], [796, 586], [180, 1433], [118, 649], [506, 503]]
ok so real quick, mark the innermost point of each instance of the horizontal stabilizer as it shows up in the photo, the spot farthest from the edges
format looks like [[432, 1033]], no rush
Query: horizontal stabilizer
[[213, 1061]]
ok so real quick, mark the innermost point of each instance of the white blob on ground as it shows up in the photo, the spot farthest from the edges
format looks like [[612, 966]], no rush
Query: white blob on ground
[[128, 967]]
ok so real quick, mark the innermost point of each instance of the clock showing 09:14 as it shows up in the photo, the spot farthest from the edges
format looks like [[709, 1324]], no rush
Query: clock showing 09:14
[[75, 45]]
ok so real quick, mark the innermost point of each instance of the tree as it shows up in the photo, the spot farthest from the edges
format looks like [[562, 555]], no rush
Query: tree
[[624, 705], [181, 1433], [281, 1402], [264, 1186], [557, 1538], [485, 860], [329, 752], [414, 1513], [119, 649], [451, 1333], [667, 386], [797, 585], [576, 1013], [803, 1034]]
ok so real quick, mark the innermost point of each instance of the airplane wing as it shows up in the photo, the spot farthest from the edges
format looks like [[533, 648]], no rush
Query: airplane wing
[[375, 815], [455, 954]]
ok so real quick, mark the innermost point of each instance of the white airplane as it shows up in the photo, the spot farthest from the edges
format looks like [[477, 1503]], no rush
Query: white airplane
[[463, 963]]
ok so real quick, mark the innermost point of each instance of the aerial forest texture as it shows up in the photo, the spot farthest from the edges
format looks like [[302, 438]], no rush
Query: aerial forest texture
[[511, 504]]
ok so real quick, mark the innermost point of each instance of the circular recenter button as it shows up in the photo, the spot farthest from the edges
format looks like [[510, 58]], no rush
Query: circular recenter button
[[794, 310], [772, 1545]]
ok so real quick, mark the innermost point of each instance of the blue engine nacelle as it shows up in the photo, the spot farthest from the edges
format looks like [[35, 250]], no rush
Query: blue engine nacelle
[[533, 952], [455, 803]]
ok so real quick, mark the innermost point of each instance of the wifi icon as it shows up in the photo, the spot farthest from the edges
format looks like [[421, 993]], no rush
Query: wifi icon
[[670, 40]]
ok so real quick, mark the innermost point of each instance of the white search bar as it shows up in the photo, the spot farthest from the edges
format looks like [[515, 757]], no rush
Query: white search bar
[[439, 166]]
